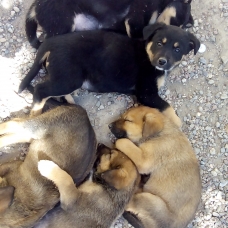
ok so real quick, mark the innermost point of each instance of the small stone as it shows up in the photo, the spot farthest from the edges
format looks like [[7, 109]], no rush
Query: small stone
[[211, 82], [202, 48], [2, 40], [224, 96], [10, 30], [184, 80], [203, 60], [16, 9], [212, 151], [217, 124], [184, 63], [223, 150], [98, 104], [101, 107], [214, 173], [215, 214], [223, 183], [12, 13]]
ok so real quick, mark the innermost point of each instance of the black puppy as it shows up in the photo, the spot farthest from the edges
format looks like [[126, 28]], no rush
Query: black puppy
[[104, 61], [60, 17], [144, 12], [125, 16]]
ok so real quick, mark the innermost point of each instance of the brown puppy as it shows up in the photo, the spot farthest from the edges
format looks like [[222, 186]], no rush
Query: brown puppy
[[157, 146], [63, 135], [99, 200]]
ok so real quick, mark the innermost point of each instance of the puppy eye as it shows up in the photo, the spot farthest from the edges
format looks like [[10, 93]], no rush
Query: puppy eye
[[118, 167], [177, 49], [128, 120], [159, 43]]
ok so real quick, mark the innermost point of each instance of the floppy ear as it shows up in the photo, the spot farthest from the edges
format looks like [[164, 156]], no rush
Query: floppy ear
[[114, 178], [6, 197], [194, 43], [152, 124], [150, 30]]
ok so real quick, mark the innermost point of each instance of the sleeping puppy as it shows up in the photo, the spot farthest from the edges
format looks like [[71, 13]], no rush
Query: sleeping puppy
[[144, 12], [99, 200], [65, 16], [157, 147], [102, 61], [63, 135]]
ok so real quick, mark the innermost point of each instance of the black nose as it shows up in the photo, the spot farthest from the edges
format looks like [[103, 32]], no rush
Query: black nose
[[162, 61]]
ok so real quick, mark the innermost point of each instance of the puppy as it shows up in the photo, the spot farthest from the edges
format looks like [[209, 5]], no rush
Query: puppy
[[63, 135], [60, 17], [144, 12], [102, 61], [157, 147], [97, 202]]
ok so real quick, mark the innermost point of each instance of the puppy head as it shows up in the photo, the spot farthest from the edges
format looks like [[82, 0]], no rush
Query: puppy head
[[115, 170], [167, 44], [138, 123]]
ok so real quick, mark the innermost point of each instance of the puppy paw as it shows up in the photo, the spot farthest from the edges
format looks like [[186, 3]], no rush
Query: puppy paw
[[47, 168]]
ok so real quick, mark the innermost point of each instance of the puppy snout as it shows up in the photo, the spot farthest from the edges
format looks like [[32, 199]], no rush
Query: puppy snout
[[162, 61]]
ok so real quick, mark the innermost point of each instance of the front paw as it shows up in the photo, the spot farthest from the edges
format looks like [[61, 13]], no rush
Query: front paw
[[122, 143], [47, 168]]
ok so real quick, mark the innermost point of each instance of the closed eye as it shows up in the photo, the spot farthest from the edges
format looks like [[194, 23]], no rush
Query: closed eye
[[128, 120]]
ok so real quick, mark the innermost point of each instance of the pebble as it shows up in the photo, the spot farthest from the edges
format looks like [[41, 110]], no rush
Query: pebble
[[2, 40], [202, 48], [224, 96], [16, 9], [211, 82]]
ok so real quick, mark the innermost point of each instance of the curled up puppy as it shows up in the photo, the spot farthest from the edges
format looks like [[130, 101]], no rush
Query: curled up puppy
[[99, 200], [170, 197]]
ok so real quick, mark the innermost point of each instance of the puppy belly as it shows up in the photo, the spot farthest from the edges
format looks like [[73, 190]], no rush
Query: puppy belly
[[84, 22]]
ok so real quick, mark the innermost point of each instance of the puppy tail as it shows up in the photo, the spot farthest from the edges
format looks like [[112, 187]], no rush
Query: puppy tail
[[31, 27], [133, 219]]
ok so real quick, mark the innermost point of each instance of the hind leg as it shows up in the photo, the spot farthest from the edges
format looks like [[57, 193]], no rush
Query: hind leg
[[13, 132], [151, 210], [63, 181], [45, 90]]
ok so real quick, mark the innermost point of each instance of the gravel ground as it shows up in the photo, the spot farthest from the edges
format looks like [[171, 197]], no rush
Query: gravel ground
[[197, 89]]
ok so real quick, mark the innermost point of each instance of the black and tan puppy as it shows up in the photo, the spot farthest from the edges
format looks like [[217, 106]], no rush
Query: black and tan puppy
[[98, 201], [144, 12], [58, 17], [157, 147], [63, 135], [127, 16], [103, 61]]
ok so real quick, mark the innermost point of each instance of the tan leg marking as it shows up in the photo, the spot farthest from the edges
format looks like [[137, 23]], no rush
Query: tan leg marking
[[127, 27], [69, 99], [153, 18], [171, 114], [148, 50], [37, 109], [166, 15], [161, 81], [46, 55]]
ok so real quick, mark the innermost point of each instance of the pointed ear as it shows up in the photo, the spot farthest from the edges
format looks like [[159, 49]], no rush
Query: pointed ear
[[6, 197], [150, 30], [152, 124], [114, 178], [194, 43]]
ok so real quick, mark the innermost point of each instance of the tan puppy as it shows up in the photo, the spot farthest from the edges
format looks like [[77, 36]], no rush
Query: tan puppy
[[157, 146], [97, 202], [63, 135]]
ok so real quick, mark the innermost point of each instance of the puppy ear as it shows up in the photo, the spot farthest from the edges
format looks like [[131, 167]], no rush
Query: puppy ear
[[114, 178], [6, 197], [150, 30], [194, 43], [152, 124]]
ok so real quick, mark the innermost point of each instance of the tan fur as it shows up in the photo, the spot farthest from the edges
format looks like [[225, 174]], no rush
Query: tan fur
[[166, 15], [55, 135], [92, 204], [164, 40], [171, 195], [153, 18], [148, 50], [161, 81]]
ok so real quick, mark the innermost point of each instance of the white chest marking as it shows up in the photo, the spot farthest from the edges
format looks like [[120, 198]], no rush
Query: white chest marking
[[84, 22]]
